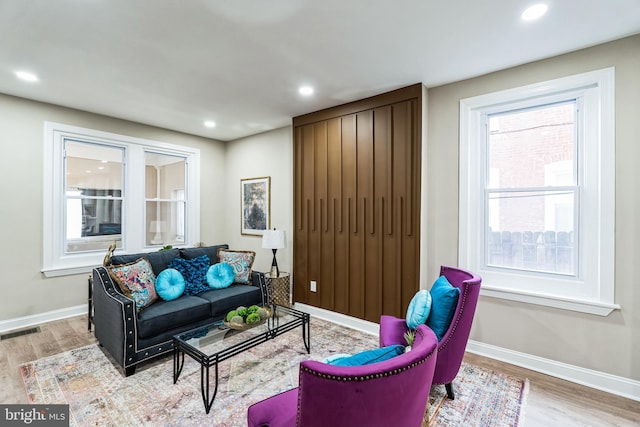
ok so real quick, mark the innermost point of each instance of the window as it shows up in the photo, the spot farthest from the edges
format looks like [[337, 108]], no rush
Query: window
[[101, 187], [537, 167], [93, 194]]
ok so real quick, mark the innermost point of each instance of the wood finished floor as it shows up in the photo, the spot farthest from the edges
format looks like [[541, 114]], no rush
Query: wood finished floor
[[550, 402]]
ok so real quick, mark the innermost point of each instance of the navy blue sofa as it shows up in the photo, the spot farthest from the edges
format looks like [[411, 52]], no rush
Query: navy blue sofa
[[133, 337]]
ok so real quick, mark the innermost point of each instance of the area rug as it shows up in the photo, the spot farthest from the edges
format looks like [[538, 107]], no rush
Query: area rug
[[99, 395]]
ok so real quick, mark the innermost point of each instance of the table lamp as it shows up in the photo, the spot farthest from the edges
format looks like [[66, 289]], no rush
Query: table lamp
[[274, 240]]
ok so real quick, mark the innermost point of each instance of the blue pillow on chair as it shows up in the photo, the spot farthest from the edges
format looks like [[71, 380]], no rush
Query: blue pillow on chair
[[444, 302], [170, 284], [220, 275], [370, 356], [419, 309]]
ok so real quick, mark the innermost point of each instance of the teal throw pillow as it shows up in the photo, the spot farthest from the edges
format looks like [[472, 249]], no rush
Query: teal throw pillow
[[220, 275], [444, 298], [170, 284], [419, 309], [370, 356]]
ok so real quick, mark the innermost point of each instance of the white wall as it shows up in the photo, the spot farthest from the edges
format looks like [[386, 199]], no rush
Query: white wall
[[25, 292], [265, 154], [606, 344]]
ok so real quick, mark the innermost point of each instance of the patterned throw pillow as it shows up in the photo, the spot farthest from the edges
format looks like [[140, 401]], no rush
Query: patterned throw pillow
[[137, 281], [194, 272], [241, 261]]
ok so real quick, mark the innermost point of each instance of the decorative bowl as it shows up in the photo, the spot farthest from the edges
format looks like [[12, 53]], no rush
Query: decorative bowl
[[245, 326]]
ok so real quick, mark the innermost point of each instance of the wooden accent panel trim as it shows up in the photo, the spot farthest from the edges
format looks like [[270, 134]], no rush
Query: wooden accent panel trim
[[398, 95]]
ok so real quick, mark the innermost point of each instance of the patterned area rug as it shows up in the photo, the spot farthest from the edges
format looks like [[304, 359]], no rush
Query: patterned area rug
[[98, 394]]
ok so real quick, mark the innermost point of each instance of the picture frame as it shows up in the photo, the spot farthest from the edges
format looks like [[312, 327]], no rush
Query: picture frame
[[255, 205]]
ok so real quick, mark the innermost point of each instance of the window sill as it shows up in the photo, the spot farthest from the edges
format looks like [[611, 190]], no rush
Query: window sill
[[584, 306], [66, 271]]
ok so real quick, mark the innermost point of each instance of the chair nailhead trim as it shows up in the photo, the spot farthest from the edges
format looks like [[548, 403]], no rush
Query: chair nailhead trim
[[365, 377]]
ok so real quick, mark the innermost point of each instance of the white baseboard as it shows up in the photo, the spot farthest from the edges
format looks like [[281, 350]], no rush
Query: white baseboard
[[620, 386], [341, 319], [38, 319]]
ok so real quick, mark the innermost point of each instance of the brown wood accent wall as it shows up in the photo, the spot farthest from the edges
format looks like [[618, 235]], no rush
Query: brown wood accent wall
[[357, 205]]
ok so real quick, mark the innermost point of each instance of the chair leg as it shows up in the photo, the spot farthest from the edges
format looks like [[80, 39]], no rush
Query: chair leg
[[449, 388], [130, 370]]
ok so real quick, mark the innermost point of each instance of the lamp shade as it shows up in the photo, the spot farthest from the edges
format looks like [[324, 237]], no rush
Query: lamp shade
[[274, 239]]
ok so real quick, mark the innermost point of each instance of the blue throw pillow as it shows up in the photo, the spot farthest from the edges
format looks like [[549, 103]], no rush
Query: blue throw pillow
[[419, 309], [194, 272], [370, 356], [170, 284], [220, 275], [444, 298]]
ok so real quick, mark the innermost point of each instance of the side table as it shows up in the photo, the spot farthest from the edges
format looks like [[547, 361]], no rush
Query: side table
[[279, 289]]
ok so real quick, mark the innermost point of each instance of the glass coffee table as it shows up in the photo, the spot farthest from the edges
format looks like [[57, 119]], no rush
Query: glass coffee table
[[213, 343]]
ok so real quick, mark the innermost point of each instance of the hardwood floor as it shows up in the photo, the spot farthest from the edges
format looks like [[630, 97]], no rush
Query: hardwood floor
[[550, 402]]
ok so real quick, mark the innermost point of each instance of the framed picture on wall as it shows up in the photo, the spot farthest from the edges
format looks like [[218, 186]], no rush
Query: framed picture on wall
[[256, 205]]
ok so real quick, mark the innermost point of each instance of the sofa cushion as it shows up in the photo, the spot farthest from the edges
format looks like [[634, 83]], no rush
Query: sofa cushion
[[241, 261], [194, 272], [220, 275], [164, 315], [210, 251], [227, 299], [159, 260], [170, 284], [137, 281]]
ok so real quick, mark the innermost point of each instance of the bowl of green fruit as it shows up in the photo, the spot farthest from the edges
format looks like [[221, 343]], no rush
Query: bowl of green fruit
[[247, 317]]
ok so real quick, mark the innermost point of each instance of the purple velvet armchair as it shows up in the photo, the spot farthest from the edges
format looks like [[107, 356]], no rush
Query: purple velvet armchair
[[454, 342], [389, 393]]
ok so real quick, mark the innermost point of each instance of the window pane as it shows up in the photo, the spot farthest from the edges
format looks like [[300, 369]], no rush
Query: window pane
[[531, 231], [165, 223], [533, 147], [165, 185], [163, 174], [93, 182]]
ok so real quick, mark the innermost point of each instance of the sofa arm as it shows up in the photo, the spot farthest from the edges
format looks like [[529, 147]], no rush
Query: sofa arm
[[257, 279], [114, 319]]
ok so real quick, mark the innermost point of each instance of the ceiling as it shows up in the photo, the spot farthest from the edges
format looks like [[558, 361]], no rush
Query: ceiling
[[175, 64]]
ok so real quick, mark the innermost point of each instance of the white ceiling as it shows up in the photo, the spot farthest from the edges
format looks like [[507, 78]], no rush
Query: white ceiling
[[174, 64]]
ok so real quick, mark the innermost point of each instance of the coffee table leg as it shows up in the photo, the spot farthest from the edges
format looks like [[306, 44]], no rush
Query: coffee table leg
[[306, 332], [178, 362], [204, 386]]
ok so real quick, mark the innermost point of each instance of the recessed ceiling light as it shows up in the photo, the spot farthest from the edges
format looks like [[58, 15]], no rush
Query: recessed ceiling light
[[534, 12], [210, 124], [26, 76], [305, 90]]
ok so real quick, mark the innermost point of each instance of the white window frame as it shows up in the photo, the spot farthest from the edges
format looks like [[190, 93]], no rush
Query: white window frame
[[592, 290], [58, 263]]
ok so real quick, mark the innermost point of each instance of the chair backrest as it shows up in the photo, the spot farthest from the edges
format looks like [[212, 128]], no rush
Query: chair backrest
[[453, 344], [390, 393]]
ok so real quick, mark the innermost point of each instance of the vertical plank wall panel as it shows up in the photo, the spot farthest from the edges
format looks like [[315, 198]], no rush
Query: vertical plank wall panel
[[356, 207]]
